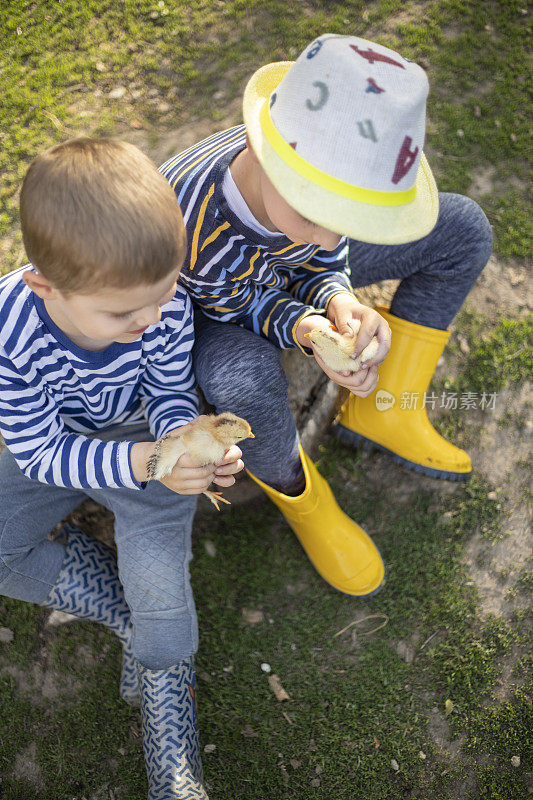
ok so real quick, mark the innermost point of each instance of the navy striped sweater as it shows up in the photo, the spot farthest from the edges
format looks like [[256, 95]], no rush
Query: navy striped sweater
[[54, 393], [234, 273]]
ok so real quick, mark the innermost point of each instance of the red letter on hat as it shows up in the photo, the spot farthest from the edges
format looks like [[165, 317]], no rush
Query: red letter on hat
[[406, 159]]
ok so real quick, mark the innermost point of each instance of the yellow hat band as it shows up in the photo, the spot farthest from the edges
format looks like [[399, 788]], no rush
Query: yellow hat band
[[321, 178]]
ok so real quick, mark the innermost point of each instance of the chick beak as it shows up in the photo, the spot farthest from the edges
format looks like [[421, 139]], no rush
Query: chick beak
[[307, 335], [250, 435]]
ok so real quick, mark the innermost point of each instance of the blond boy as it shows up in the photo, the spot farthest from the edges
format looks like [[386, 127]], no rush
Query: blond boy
[[95, 362]]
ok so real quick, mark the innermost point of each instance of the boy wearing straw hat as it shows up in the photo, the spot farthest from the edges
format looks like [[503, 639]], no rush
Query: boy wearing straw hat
[[331, 148]]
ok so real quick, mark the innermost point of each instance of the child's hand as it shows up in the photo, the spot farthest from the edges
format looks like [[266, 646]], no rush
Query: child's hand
[[186, 478], [361, 383], [343, 308], [228, 467], [308, 324]]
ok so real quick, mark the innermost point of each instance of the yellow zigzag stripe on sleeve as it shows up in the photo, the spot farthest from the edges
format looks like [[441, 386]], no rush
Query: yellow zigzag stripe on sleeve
[[226, 309], [251, 269], [313, 268], [214, 235], [284, 250], [199, 223], [267, 321]]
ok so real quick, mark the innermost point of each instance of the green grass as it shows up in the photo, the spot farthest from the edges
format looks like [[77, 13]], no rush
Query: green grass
[[503, 358], [61, 60], [498, 359], [499, 356], [356, 704]]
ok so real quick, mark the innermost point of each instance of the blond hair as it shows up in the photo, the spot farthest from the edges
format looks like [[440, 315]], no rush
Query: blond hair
[[97, 213]]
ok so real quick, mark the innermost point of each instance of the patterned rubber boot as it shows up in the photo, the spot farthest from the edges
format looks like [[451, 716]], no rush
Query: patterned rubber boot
[[88, 587], [170, 733]]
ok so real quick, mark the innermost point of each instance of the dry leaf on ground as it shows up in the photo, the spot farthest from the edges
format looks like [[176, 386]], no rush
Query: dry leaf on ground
[[275, 684]]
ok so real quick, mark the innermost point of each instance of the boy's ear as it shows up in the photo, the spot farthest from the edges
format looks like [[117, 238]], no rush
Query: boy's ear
[[39, 284]]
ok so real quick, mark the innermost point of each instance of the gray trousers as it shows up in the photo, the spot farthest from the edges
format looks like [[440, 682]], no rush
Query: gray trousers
[[240, 371], [153, 539]]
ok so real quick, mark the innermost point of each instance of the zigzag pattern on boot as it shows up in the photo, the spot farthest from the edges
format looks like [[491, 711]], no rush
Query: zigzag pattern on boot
[[129, 680], [170, 733], [88, 587]]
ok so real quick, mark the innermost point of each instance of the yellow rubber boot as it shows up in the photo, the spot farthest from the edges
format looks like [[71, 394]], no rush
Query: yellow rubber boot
[[341, 552], [394, 418]]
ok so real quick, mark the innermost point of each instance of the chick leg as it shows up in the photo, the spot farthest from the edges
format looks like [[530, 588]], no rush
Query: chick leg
[[215, 498]]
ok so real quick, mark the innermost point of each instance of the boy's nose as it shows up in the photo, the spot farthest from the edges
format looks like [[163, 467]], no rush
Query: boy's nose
[[149, 316]]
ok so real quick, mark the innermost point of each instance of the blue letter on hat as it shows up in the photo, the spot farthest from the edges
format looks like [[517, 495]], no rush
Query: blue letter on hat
[[314, 50], [322, 99]]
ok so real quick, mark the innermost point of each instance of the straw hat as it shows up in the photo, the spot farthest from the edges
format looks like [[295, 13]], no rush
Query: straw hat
[[340, 132]]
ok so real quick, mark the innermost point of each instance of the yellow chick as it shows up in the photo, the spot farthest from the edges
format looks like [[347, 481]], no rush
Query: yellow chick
[[336, 349], [207, 441]]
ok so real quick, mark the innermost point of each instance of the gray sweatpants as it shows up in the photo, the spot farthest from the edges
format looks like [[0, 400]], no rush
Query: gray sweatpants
[[153, 539]]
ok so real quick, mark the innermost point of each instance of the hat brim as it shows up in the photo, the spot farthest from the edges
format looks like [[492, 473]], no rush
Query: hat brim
[[376, 224]]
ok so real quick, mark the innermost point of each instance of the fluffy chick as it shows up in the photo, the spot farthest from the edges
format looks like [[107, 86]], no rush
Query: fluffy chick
[[207, 441], [336, 349]]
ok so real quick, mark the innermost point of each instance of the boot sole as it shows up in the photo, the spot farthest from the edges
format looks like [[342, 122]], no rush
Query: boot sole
[[362, 596], [358, 440]]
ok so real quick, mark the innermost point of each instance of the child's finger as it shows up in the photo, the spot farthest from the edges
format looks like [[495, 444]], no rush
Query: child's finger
[[230, 469], [383, 335], [347, 379], [359, 381], [227, 480], [188, 487], [200, 484], [367, 331], [356, 379], [189, 469], [343, 318], [232, 454], [369, 384], [380, 355]]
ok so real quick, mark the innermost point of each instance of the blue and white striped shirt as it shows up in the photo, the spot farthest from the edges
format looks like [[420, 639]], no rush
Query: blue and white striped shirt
[[53, 393], [235, 274]]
